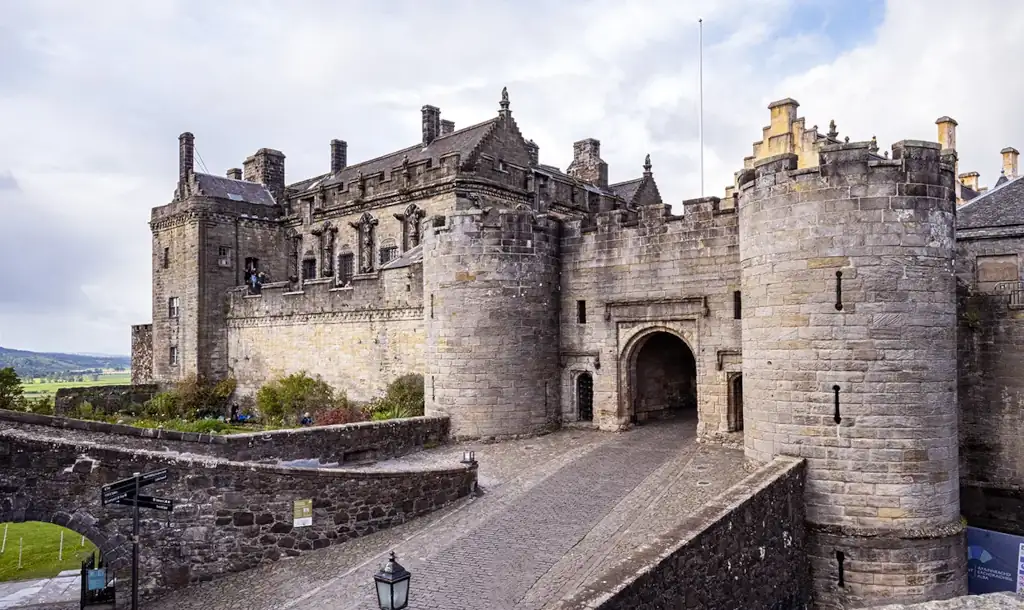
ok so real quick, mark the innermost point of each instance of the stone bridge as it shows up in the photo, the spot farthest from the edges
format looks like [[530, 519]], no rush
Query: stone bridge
[[233, 495]]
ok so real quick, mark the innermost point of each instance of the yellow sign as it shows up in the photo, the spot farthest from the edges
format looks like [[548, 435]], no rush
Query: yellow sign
[[303, 513]]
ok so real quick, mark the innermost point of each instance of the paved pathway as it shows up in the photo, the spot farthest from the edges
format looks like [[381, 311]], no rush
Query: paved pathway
[[64, 587], [555, 509]]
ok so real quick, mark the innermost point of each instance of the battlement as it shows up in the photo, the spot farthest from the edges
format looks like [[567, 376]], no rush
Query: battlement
[[379, 295], [922, 168], [491, 230]]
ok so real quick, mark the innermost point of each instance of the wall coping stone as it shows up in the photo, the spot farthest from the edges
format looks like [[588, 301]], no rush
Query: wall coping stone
[[603, 587]]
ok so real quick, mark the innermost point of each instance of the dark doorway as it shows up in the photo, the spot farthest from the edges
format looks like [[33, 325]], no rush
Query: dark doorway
[[736, 402], [664, 378], [585, 397]]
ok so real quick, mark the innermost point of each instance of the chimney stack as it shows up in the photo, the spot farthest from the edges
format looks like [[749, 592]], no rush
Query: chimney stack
[[947, 133], [431, 123], [970, 180], [1010, 155], [587, 164], [339, 155], [235, 173], [186, 157], [267, 168], [534, 152], [447, 127]]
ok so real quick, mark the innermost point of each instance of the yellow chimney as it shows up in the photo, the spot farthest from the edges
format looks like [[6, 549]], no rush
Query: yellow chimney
[[947, 133], [1010, 155], [970, 180]]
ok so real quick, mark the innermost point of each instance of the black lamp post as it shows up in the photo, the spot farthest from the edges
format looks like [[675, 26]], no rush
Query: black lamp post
[[392, 585]]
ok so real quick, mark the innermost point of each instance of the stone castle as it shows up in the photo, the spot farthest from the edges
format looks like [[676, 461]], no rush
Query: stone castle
[[852, 307]]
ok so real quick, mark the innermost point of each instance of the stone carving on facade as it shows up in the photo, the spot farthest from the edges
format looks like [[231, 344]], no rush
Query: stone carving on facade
[[328, 235], [411, 225], [367, 228]]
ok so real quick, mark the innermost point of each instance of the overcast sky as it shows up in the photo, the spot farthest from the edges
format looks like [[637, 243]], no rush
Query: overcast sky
[[94, 94]]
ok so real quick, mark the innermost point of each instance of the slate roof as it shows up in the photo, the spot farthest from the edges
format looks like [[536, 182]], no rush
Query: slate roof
[[462, 141], [410, 257], [1002, 206], [235, 190], [627, 190], [967, 193]]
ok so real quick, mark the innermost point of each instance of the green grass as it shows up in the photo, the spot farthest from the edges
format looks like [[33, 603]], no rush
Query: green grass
[[35, 388], [40, 545]]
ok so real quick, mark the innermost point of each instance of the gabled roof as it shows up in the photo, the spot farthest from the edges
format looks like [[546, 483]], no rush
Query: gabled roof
[[627, 190], [1002, 206], [235, 190], [463, 141]]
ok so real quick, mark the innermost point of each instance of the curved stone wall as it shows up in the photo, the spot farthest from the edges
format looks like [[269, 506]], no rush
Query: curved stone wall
[[849, 360], [491, 300]]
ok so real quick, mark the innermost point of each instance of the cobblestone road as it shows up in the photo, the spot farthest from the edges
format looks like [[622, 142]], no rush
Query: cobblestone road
[[555, 509]]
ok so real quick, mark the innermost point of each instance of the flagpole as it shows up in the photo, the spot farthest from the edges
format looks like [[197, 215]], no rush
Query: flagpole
[[700, 78]]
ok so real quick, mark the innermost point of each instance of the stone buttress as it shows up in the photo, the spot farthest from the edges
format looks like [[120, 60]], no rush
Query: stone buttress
[[491, 280], [849, 361]]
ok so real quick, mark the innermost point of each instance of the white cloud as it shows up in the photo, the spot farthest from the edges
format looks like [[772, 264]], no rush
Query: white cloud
[[94, 96]]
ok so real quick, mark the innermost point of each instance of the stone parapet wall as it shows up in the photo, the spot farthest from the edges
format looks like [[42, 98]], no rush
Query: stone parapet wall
[[229, 516], [142, 354], [376, 440], [106, 399], [745, 549]]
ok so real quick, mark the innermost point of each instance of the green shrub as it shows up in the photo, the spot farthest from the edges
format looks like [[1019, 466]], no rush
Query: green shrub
[[403, 398], [286, 399], [191, 398], [10, 389]]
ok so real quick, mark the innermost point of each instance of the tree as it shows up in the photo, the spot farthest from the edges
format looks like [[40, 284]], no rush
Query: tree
[[10, 389]]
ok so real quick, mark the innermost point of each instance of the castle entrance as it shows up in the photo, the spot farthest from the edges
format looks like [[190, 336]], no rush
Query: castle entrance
[[663, 378]]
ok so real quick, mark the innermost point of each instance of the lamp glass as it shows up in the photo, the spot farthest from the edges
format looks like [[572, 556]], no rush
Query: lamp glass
[[384, 595], [400, 593]]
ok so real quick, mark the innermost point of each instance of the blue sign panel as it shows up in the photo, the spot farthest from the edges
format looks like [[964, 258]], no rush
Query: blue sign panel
[[96, 579], [995, 562]]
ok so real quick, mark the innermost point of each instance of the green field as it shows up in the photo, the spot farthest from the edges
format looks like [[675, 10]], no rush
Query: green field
[[35, 388], [40, 550]]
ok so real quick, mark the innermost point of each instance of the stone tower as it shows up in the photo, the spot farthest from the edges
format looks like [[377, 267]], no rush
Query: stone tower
[[491, 280], [849, 361]]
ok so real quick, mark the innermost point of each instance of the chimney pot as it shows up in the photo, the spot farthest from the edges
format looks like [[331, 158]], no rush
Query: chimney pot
[[339, 155], [947, 132], [235, 173], [431, 123], [1010, 157]]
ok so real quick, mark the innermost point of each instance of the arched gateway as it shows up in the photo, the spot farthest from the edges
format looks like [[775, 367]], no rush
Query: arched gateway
[[662, 377]]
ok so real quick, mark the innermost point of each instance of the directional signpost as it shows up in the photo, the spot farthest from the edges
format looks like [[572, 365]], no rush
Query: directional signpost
[[126, 493]]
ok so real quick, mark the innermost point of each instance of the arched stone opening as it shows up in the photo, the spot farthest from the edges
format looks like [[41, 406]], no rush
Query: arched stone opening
[[585, 397], [662, 378], [112, 547], [735, 403]]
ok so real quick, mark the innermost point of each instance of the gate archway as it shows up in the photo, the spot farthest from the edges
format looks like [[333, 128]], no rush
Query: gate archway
[[662, 377]]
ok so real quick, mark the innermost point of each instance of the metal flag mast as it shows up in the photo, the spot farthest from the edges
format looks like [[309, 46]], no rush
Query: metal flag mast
[[700, 85]]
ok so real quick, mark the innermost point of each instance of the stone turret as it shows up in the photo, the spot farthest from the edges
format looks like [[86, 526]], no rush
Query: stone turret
[[491, 281], [849, 361]]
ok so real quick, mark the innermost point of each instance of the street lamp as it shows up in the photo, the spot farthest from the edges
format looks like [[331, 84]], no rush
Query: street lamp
[[392, 585], [469, 457]]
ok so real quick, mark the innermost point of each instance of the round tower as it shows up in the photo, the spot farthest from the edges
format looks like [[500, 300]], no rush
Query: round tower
[[491, 281], [849, 361]]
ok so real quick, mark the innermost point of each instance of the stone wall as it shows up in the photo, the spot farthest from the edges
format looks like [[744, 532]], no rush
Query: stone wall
[[340, 444], [991, 388], [107, 399], [745, 549], [638, 274], [142, 354], [228, 516]]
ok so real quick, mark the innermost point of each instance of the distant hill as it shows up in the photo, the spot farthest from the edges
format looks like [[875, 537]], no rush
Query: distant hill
[[37, 364]]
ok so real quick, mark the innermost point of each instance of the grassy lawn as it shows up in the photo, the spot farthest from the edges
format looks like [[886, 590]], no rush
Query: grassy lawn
[[40, 550], [35, 388]]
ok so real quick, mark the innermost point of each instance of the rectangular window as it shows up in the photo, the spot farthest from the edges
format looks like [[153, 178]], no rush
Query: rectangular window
[[173, 356], [167, 257], [388, 254], [737, 310], [224, 251], [308, 269], [173, 308], [581, 312], [346, 268]]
